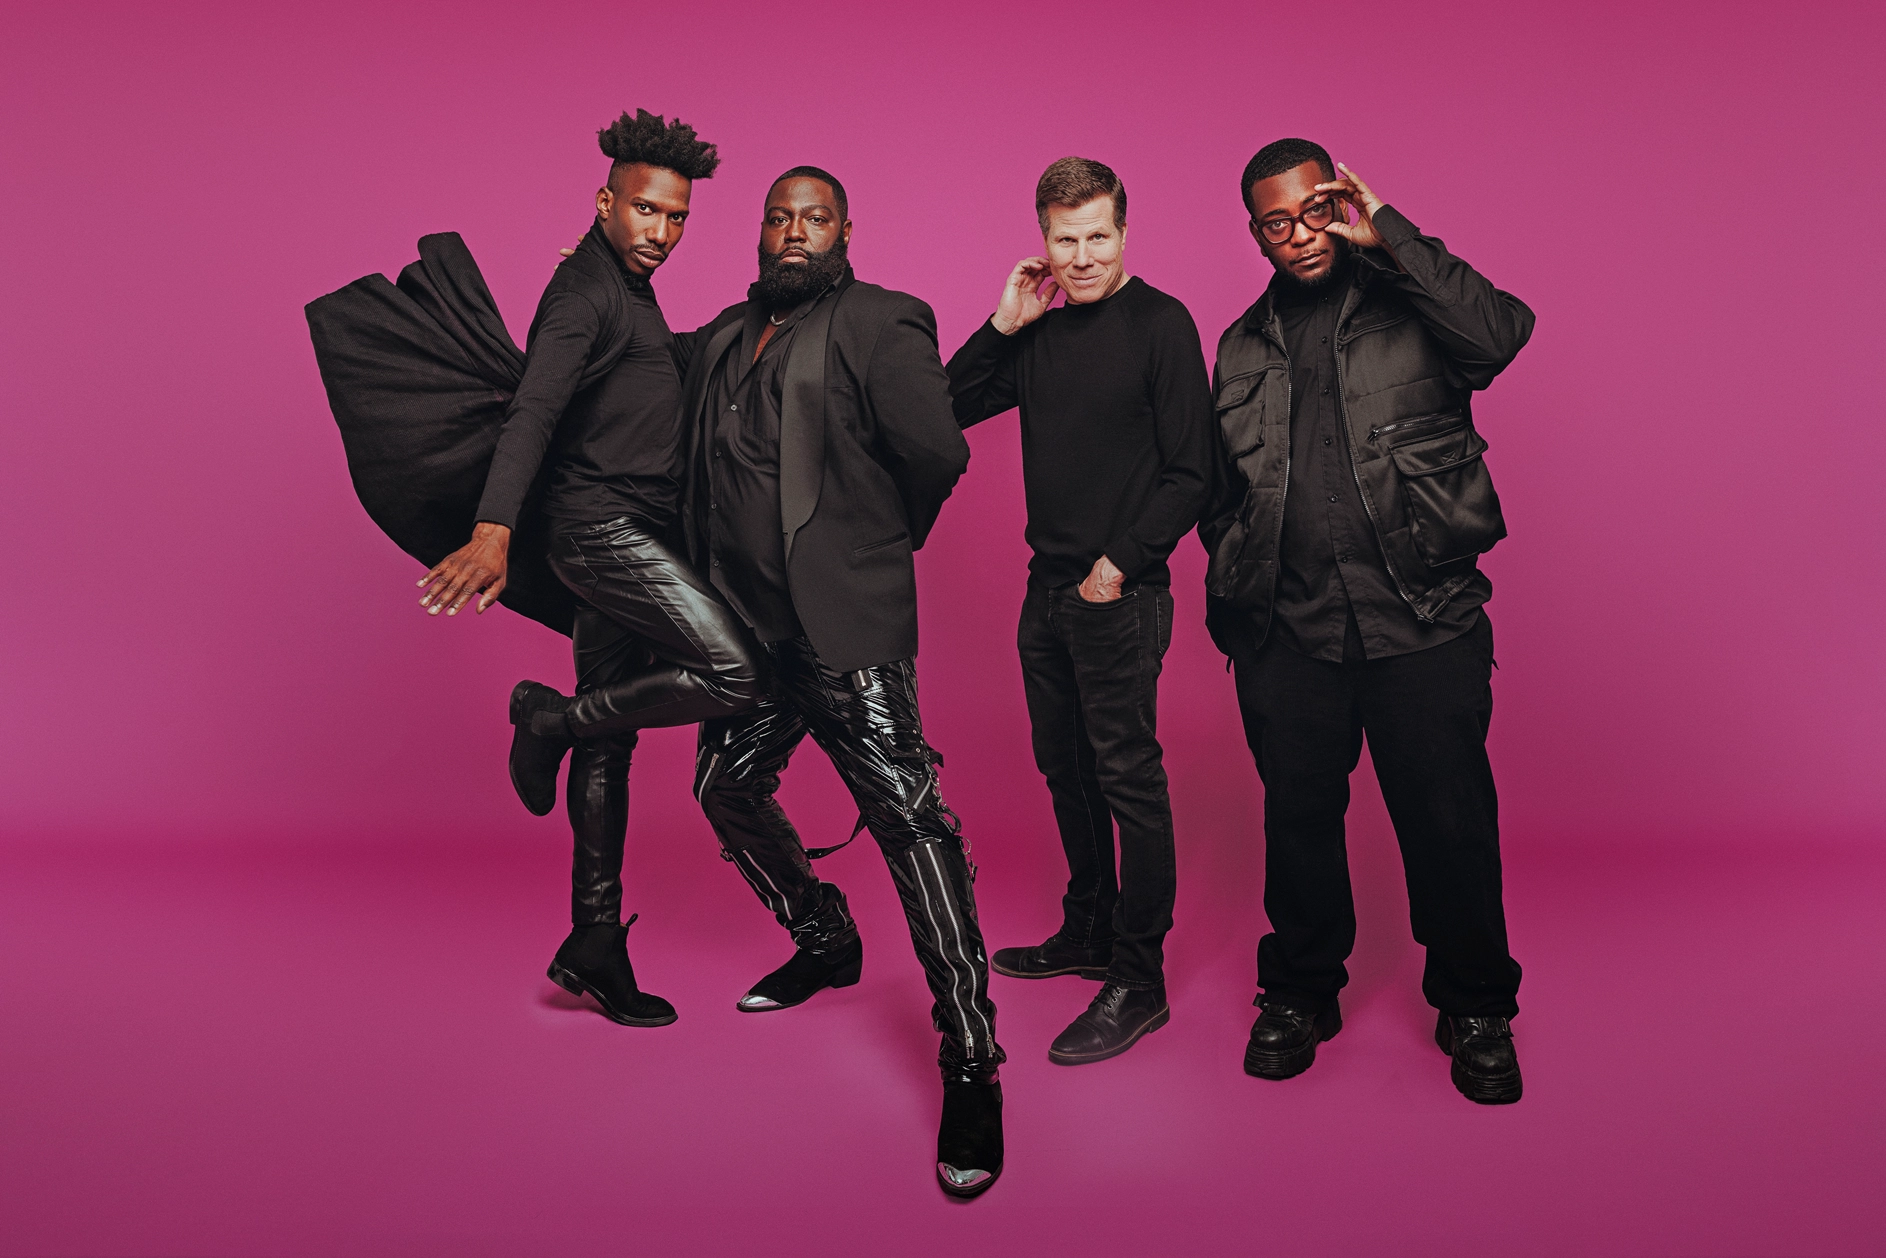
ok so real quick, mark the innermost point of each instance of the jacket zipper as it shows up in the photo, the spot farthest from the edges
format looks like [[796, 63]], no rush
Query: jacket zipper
[[1342, 401], [1416, 422]]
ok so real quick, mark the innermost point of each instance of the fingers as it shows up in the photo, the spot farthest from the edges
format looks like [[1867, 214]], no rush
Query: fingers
[[1367, 193], [491, 594], [1048, 291], [1346, 230]]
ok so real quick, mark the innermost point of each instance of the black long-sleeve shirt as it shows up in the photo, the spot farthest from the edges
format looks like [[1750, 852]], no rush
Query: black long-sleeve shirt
[[1335, 597], [1117, 437], [612, 448], [744, 536]]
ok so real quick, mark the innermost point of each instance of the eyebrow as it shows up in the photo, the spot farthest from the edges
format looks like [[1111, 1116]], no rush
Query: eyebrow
[[787, 209]]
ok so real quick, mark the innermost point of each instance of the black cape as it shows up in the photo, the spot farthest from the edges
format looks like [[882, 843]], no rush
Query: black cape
[[420, 374]]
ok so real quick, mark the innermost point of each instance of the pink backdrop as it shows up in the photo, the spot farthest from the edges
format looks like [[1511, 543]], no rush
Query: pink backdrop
[[210, 643]]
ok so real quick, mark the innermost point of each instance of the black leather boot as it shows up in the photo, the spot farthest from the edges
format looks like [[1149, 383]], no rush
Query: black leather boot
[[1285, 1036], [1052, 959], [594, 962], [539, 741], [1112, 1024], [803, 977], [1486, 1067], [969, 1140]]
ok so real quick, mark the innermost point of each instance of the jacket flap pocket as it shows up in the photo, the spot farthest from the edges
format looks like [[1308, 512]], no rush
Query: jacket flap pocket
[[1372, 321], [1232, 392], [1440, 453]]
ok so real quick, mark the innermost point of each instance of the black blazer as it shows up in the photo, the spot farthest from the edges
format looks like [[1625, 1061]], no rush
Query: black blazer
[[869, 450]]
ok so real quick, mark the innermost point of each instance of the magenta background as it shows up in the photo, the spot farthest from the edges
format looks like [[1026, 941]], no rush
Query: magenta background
[[235, 753]]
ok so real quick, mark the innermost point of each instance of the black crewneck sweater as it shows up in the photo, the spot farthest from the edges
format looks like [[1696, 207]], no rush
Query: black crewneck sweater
[[1117, 438]]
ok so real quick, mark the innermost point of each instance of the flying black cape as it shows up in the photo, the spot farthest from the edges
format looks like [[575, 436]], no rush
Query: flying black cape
[[419, 374]]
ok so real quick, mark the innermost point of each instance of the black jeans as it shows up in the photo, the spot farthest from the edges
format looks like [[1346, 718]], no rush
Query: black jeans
[[1091, 674], [868, 723], [1426, 716], [654, 646]]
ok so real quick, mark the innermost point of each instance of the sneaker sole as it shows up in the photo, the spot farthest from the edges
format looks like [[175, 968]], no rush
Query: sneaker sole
[[577, 987], [1096, 973], [1146, 1028]]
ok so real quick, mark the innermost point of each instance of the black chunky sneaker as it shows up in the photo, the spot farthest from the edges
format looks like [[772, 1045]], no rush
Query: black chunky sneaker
[[539, 742], [594, 962], [1486, 1067], [1113, 1023], [804, 977], [1285, 1036], [969, 1140], [1052, 959]]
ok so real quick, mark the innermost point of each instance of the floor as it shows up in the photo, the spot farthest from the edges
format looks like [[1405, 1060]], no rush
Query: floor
[[247, 1045]]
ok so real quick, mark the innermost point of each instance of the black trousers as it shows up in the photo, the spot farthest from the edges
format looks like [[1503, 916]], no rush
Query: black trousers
[[868, 723], [654, 646], [1091, 674], [1426, 716]]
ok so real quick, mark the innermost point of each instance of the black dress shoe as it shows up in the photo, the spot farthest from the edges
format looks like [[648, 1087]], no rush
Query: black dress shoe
[[1053, 959], [969, 1141], [538, 744], [594, 962], [803, 977], [1112, 1024], [1284, 1038], [1486, 1068]]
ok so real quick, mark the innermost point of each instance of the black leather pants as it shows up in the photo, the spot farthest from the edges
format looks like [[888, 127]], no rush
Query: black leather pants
[[868, 723], [654, 646]]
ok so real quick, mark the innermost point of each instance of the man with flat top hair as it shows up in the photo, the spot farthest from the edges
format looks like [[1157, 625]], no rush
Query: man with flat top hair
[[1344, 587], [654, 644], [1116, 463]]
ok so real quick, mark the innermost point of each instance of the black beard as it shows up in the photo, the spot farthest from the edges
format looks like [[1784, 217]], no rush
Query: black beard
[[1338, 268], [783, 285]]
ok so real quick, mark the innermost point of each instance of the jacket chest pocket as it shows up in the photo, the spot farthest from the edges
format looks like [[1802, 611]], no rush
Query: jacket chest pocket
[[1453, 512], [1239, 403]]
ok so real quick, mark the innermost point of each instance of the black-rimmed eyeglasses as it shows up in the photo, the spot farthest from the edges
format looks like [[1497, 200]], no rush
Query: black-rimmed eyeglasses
[[1315, 217]]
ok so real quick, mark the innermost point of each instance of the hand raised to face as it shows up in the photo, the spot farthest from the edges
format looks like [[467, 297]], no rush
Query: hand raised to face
[[1026, 296], [1350, 190]]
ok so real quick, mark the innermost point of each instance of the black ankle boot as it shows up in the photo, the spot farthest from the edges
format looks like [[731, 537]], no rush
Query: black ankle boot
[[538, 744], [1051, 959], [1285, 1036], [803, 977], [1113, 1023], [1486, 1067], [969, 1141], [594, 962]]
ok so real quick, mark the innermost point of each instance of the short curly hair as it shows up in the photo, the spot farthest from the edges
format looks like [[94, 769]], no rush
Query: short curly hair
[[652, 140], [1277, 157]]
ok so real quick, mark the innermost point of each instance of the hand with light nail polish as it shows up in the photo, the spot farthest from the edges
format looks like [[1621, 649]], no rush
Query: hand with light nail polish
[[476, 568]]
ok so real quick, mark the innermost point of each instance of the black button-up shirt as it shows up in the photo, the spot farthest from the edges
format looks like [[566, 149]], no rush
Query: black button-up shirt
[[1335, 597], [745, 537]]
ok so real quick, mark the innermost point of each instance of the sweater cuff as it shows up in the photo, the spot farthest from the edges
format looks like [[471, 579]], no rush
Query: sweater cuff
[[1128, 556], [495, 509]]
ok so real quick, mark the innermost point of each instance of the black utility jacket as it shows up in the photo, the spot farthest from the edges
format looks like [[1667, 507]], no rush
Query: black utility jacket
[[869, 451], [1412, 346]]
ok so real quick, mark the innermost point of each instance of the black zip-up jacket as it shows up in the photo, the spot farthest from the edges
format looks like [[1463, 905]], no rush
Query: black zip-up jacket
[[1412, 346]]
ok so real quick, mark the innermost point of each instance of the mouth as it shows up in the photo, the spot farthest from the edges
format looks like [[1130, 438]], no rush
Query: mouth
[[652, 257], [792, 255], [1309, 261]]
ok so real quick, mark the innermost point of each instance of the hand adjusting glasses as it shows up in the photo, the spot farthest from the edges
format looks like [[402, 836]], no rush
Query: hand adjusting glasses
[[1315, 217]]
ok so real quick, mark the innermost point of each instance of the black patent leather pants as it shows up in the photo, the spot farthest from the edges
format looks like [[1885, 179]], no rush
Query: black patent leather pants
[[654, 646], [868, 723]]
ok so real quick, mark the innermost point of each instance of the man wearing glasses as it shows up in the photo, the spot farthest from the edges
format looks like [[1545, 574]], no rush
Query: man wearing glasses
[[1344, 588]]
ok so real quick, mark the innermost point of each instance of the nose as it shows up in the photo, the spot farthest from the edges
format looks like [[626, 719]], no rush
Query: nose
[[1081, 256], [1300, 235], [663, 230], [796, 231]]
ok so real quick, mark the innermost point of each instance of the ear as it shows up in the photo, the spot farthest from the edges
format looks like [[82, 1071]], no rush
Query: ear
[[1256, 234], [604, 200], [844, 233], [1123, 236]]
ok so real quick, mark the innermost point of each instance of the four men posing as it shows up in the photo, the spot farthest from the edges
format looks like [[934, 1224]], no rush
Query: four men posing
[[734, 511]]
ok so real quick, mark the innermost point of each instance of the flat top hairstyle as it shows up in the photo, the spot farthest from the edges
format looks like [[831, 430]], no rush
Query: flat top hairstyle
[[1074, 181], [651, 140], [813, 172], [1277, 157]]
